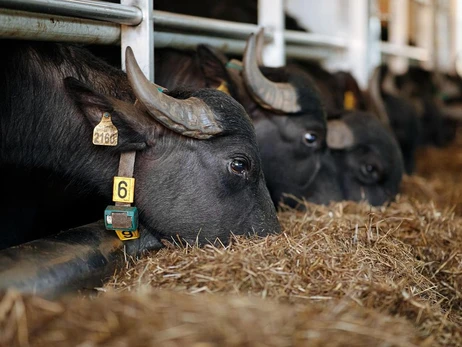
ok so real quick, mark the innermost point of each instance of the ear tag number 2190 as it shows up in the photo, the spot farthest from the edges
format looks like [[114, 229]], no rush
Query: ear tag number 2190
[[105, 133]]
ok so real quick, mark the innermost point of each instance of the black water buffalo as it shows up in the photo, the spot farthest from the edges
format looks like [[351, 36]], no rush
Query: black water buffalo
[[367, 157], [198, 171], [341, 92], [428, 97], [288, 116], [290, 124], [399, 114]]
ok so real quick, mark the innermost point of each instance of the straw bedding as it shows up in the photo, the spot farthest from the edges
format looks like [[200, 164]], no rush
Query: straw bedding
[[346, 274]]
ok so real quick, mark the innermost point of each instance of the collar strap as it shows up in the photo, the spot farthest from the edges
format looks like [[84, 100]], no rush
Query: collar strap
[[127, 164], [122, 217]]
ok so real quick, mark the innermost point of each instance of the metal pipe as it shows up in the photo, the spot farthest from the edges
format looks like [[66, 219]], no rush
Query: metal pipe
[[90, 9], [23, 25], [410, 52], [67, 29], [187, 23], [41, 27], [310, 53], [184, 41], [232, 46], [304, 38]]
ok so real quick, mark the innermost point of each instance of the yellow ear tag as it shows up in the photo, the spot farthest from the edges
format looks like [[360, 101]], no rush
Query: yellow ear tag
[[223, 88], [105, 133], [349, 100]]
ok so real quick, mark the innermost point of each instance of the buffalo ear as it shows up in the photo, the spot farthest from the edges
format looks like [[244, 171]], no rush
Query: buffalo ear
[[92, 103], [213, 65], [132, 125], [339, 135]]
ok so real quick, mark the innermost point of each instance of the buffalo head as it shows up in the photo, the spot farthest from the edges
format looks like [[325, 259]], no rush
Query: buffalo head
[[198, 171], [367, 157], [289, 120]]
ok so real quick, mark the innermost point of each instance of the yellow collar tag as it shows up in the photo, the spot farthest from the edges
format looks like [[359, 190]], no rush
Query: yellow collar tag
[[349, 100], [223, 87], [105, 133]]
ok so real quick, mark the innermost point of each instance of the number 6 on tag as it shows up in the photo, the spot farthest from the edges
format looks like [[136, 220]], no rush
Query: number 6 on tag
[[123, 189]]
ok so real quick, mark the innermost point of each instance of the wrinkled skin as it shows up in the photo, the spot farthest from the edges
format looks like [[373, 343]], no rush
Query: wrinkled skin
[[189, 190], [371, 169], [292, 146]]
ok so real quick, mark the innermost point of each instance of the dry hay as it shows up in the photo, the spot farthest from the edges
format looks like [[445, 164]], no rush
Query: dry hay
[[338, 275]]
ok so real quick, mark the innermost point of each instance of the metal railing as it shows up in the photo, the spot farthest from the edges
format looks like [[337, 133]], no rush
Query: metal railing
[[104, 11], [410, 52], [102, 23]]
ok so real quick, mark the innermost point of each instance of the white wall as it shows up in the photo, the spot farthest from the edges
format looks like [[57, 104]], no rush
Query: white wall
[[320, 16], [344, 18]]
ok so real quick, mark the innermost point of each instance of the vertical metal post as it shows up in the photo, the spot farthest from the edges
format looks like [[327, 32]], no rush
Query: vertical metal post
[[140, 38], [359, 54], [443, 35], [399, 32], [271, 17], [425, 30], [457, 43], [374, 36]]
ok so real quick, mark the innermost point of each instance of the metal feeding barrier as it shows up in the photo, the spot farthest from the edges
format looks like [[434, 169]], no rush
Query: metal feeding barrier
[[83, 257], [132, 21]]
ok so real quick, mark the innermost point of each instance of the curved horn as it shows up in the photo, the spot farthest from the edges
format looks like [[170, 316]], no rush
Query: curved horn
[[280, 97], [260, 46], [191, 117], [375, 93]]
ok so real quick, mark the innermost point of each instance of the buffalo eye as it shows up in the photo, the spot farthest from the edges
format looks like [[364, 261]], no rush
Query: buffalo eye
[[369, 171], [310, 139], [239, 166]]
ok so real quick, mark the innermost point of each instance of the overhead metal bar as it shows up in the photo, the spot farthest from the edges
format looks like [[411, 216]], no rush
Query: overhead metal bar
[[90, 9], [166, 21], [417, 53], [233, 46], [302, 38], [22, 25]]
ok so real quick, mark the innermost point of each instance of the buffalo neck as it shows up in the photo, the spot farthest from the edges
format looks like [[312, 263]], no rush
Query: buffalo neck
[[41, 128]]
